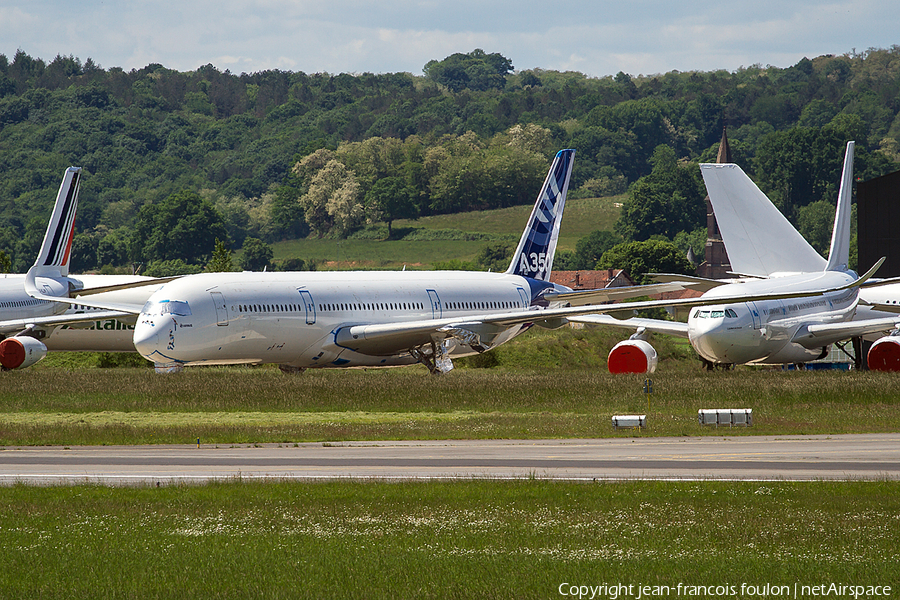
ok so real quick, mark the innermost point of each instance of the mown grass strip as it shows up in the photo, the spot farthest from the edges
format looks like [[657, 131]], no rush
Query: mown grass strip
[[470, 539]]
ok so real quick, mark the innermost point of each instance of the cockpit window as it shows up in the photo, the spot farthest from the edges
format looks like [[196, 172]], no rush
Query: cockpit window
[[167, 307], [729, 312], [717, 314]]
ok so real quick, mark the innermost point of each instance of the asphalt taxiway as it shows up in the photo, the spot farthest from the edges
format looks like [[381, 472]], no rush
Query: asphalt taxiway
[[743, 457]]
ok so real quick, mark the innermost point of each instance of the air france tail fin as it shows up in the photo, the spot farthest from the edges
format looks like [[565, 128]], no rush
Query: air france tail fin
[[53, 259], [533, 257], [759, 240], [839, 254]]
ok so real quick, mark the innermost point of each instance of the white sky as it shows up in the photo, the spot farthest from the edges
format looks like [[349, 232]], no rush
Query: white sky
[[595, 37]]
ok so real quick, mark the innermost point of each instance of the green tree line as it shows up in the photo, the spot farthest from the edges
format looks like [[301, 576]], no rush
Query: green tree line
[[277, 154]]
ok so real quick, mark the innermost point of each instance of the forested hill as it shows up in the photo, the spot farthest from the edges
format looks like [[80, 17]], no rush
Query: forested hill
[[279, 154]]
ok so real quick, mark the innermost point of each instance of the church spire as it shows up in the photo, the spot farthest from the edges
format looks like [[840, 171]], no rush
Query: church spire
[[724, 155]]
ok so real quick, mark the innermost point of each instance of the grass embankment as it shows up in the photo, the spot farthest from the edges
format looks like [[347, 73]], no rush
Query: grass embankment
[[420, 243], [547, 385], [478, 539]]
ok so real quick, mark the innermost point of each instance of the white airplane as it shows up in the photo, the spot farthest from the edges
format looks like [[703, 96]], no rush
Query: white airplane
[[36, 325], [376, 318], [763, 245]]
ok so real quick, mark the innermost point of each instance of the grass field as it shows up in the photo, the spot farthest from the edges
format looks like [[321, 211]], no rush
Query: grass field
[[581, 217], [462, 539], [546, 385], [476, 539]]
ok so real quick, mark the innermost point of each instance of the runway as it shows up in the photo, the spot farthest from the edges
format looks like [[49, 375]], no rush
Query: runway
[[842, 457]]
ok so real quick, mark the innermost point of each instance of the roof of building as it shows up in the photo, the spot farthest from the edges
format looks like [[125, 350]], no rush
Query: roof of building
[[591, 280]]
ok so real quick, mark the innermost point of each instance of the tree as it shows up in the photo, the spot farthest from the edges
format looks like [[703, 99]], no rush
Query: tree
[[5, 263], [495, 257], [640, 258], [221, 261], [332, 200], [476, 70], [590, 248], [389, 199], [815, 222], [170, 268], [256, 255], [183, 226], [665, 202]]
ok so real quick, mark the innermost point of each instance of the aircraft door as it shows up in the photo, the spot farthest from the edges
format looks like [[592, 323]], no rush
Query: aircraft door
[[754, 313], [524, 297], [309, 305], [221, 309], [436, 310]]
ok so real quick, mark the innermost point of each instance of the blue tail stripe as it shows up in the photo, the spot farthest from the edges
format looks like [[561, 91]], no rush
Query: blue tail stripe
[[534, 256]]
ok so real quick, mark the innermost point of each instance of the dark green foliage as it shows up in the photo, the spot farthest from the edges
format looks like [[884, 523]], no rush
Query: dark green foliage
[[495, 257], [640, 258], [146, 134], [391, 198], [477, 71], [256, 255], [590, 248], [667, 201], [183, 226], [296, 264], [221, 261], [170, 268]]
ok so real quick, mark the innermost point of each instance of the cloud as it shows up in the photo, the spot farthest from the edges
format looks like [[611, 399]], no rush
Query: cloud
[[596, 37]]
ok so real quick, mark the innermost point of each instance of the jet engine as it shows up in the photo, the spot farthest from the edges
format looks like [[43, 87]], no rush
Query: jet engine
[[20, 352], [884, 355], [632, 356]]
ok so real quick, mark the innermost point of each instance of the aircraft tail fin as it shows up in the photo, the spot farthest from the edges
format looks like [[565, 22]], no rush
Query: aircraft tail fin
[[839, 253], [53, 259], [759, 240], [533, 257]]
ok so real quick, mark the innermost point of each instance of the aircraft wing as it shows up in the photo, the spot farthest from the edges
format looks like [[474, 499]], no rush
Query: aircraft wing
[[126, 286], [827, 333], [700, 284], [18, 325], [480, 330], [585, 297], [674, 328]]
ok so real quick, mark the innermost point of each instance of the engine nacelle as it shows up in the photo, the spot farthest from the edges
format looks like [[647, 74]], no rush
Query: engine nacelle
[[884, 355], [20, 352], [632, 356]]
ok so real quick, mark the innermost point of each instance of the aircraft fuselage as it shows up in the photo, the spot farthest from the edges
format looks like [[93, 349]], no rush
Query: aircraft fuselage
[[310, 319], [762, 332]]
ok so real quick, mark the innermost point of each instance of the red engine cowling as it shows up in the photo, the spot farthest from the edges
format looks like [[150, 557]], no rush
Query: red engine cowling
[[632, 356], [21, 352], [884, 355]]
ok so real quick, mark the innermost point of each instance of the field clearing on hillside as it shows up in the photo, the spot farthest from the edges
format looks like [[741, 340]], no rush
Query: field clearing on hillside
[[581, 217]]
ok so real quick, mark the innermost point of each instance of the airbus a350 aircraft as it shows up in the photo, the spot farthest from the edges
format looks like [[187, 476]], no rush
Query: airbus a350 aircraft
[[355, 319], [33, 323], [762, 244]]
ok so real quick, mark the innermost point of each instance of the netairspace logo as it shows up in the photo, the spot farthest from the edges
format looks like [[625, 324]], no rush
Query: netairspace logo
[[745, 590]]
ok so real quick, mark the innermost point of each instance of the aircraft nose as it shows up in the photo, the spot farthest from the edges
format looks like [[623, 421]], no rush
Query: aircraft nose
[[146, 337]]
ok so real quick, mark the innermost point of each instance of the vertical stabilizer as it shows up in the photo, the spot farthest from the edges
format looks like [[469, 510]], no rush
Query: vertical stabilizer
[[53, 259], [839, 254], [534, 256], [760, 241]]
